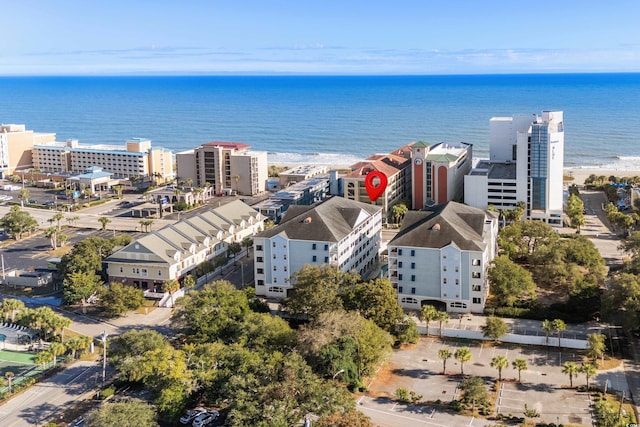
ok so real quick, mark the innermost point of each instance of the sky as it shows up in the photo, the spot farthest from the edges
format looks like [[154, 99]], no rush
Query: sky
[[344, 37]]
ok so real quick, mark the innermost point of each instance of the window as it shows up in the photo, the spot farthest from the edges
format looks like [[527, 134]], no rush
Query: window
[[260, 270], [413, 265], [159, 272], [408, 300], [326, 260], [258, 247], [285, 268], [457, 281], [477, 300], [476, 288], [274, 256], [413, 252], [259, 259], [273, 244], [400, 264], [413, 291], [275, 280], [457, 269], [413, 277], [313, 246], [475, 275], [275, 268], [444, 268], [121, 270], [326, 247], [400, 289], [399, 251], [399, 276], [475, 262], [314, 258], [444, 281], [276, 289]]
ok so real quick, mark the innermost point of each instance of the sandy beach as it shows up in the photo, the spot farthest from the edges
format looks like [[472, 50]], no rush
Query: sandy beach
[[580, 174]]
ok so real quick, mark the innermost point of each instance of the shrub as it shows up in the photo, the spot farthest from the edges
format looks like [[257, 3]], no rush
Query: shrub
[[402, 394], [107, 393]]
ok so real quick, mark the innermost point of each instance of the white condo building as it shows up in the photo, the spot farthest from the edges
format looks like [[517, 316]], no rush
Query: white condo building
[[340, 232], [441, 256], [525, 164]]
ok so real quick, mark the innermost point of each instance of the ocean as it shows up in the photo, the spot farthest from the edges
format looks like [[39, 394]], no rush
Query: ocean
[[333, 120]]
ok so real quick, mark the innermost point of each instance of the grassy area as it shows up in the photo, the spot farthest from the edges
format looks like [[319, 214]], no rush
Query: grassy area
[[20, 357]]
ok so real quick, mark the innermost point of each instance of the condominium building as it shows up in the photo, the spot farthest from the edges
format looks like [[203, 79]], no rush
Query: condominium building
[[228, 166], [525, 165], [438, 171], [176, 250], [16, 144], [397, 168], [441, 256], [339, 232], [136, 158]]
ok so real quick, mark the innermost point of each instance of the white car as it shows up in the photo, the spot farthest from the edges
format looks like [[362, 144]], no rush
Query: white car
[[205, 419], [190, 415]]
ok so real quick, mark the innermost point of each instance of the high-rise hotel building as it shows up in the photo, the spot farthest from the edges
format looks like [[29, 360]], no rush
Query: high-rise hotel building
[[525, 165]]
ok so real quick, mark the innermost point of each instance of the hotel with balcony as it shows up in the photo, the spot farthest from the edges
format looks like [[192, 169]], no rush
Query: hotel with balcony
[[16, 145], [339, 232]]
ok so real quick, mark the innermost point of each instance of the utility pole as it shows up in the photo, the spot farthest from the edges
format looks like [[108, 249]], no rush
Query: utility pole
[[103, 336]]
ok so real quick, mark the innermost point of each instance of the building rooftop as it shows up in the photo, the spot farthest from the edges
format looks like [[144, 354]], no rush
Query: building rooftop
[[451, 223], [227, 145], [495, 170], [328, 221]]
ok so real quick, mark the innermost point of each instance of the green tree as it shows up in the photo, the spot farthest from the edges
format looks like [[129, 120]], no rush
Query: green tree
[[570, 369], [188, 282], [398, 211], [527, 241], [407, 331], [247, 243], [103, 220], [474, 393], [624, 297], [559, 326], [127, 413], [510, 282], [575, 209], [79, 286], [462, 355], [233, 250], [56, 349], [86, 256], [214, 313], [494, 328], [17, 222], [444, 354], [10, 308], [78, 344], [427, 314], [57, 217], [316, 291], [171, 286], [52, 234], [24, 196], [9, 376], [547, 326], [596, 347], [520, 365], [499, 362], [374, 299], [353, 418], [589, 371], [42, 358], [441, 317], [117, 299]]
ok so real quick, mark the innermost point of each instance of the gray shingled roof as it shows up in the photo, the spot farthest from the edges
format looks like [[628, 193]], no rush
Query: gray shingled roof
[[459, 224], [327, 221]]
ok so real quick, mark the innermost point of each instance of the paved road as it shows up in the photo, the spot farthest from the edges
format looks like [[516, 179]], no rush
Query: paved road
[[45, 399]]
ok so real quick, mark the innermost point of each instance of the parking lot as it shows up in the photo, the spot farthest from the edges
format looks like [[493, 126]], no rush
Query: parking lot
[[544, 387]]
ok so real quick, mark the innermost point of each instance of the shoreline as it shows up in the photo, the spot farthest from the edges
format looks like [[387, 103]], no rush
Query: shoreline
[[581, 174]]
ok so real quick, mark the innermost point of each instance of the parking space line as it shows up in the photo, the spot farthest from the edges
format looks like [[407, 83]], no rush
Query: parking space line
[[403, 416]]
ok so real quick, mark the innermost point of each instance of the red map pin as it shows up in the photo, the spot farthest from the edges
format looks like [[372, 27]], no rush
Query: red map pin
[[374, 187]]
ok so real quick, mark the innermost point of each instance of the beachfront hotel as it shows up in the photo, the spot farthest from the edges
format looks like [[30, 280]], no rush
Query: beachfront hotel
[[339, 232], [16, 144], [136, 158], [229, 167], [526, 160], [437, 172], [441, 256]]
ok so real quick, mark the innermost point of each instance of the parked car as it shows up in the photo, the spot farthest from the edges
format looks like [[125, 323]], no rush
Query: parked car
[[190, 415], [207, 418]]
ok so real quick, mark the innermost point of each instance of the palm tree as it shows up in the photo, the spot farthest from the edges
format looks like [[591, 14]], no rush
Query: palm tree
[[520, 365], [57, 218], [104, 221], [11, 306], [559, 326], [589, 371], [52, 234], [398, 211], [57, 349], [547, 325], [9, 376], [463, 354], [73, 219], [499, 362], [171, 286], [62, 239], [428, 313], [571, 369], [78, 343], [24, 195], [247, 243], [441, 317], [444, 354], [43, 358], [118, 190]]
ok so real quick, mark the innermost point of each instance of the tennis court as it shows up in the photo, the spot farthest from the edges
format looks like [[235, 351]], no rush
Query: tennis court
[[22, 365]]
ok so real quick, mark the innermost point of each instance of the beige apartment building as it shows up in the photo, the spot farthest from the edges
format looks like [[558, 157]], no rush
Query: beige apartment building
[[136, 158], [16, 143], [230, 167], [395, 165]]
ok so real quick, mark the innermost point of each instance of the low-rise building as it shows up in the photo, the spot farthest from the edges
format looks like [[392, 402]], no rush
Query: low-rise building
[[339, 232], [16, 147], [441, 257], [176, 250]]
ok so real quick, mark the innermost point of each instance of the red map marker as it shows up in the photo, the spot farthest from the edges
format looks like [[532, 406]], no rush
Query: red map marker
[[375, 188]]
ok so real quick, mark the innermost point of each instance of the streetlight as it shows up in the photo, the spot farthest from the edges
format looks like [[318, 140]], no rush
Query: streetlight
[[103, 337]]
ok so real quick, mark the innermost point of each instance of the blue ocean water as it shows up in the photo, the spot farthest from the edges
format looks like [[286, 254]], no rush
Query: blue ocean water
[[333, 120]]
